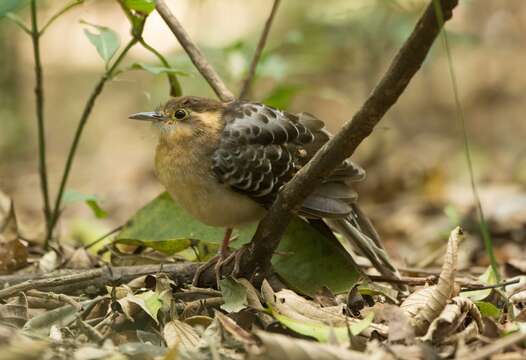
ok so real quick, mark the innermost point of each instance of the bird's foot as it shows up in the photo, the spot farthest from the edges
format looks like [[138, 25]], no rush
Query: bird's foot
[[218, 262]]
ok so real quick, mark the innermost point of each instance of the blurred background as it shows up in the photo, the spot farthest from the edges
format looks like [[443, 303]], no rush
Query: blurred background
[[323, 58]]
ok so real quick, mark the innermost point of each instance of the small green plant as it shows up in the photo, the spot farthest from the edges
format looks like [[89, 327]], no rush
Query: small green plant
[[107, 44]]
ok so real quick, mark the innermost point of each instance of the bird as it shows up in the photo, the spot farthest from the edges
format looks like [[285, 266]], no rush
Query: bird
[[225, 163]]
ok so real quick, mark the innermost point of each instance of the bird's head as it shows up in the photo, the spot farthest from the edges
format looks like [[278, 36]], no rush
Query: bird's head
[[185, 118]]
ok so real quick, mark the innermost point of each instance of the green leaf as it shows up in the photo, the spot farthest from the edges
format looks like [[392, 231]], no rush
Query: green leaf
[[157, 70], [169, 246], [106, 41], [72, 196], [303, 249], [61, 316], [281, 96], [7, 6], [235, 295], [142, 6], [149, 301], [488, 278], [488, 309], [322, 332]]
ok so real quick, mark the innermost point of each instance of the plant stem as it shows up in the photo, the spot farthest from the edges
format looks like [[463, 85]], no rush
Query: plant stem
[[247, 83], [175, 86], [484, 228], [83, 119], [19, 22], [39, 94], [60, 13]]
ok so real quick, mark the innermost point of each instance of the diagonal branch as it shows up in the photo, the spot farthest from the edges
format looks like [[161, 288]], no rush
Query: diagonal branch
[[256, 259], [197, 57], [247, 83]]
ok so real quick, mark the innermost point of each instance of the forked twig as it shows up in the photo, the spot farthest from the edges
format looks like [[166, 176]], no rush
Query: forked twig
[[197, 57], [247, 83]]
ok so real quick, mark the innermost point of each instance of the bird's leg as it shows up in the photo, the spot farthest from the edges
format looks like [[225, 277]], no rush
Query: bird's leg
[[217, 261], [223, 251], [223, 254]]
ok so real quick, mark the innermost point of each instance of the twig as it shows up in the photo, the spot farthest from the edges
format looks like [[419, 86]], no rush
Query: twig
[[471, 287], [175, 86], [197, 57], [420, 281], [409, 59], [486, 351], [75, 281], [57, 297], [94, 242], [245, 89], [39, 93], [83, 119], [61, 12]]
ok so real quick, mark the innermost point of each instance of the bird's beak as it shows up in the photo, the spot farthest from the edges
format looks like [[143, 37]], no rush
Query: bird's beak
[[147, 116]]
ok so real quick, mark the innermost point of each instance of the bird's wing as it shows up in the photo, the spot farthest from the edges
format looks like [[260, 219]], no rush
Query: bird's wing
[[261, 148]]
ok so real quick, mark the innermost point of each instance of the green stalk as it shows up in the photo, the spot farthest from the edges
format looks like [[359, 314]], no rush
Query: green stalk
[[83, 119], [39, 93], [484, 228], [175, 86]]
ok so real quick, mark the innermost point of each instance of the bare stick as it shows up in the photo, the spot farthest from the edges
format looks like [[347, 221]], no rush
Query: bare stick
[[39, 93], [197, 57], [79, 281], [406, 63], [245, 89]]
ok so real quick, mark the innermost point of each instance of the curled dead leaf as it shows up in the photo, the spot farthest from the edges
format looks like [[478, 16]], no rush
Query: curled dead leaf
[[453, 318], [424, 305], [13, 253]]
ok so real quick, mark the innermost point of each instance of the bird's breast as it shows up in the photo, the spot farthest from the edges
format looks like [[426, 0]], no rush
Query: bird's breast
[[189, 179]]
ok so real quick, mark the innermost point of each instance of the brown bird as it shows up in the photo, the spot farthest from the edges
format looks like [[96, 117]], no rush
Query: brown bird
[[225, 163]]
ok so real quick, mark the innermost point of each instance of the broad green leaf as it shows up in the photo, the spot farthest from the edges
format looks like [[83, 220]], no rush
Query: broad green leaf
[[488, 309], [61, 316], [142, 6], [168, 246], [235, 295], [72, 196], [281, 96], [157, 70], [322, 332], [7, 6], [488, 278], [106, 41], [307, 260], [149, 301]]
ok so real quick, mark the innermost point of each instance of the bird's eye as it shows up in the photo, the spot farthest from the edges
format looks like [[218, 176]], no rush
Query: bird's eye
[[180, 114]]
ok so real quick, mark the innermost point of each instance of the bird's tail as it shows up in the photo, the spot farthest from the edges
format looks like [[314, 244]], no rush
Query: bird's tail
[[358, 231]]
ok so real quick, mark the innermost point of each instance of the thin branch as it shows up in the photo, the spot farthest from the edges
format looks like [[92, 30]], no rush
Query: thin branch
[[406, 63], [247, 83], [39, 93], [62, 11], [79, 280], [197, 57], [175, 86], [83, 119], [19, 22]]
